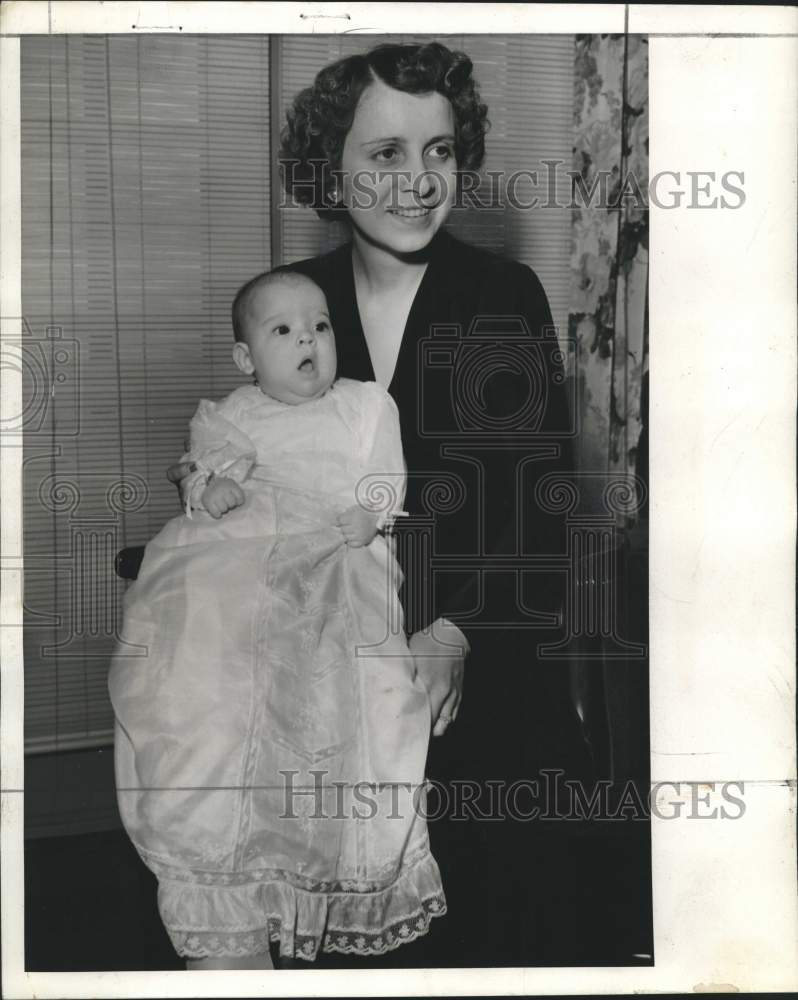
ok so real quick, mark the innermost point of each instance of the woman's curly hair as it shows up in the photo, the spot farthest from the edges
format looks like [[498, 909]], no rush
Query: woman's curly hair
[[321, 116]]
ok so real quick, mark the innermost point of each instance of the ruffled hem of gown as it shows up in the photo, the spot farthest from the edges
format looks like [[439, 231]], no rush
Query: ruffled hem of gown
[[238, 920]]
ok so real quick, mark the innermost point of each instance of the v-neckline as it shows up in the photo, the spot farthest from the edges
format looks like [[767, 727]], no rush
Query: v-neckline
[[360, 332]]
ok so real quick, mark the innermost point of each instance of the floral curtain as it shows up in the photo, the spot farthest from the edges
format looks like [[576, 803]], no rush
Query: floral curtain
[[609, 252]]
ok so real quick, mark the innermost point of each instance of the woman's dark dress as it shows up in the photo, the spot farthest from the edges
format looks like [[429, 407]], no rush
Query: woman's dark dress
[[484, 416]]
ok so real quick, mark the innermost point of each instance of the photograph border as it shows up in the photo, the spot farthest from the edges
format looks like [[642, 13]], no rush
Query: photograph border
[[722, 479]]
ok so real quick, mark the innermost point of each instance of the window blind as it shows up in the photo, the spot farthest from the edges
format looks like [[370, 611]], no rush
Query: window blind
[[145, 195], [538, 119]]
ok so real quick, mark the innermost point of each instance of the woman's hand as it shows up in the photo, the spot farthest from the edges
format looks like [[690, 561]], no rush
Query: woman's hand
[[439, 656], [359, 526], [178, 473], [221, 495]]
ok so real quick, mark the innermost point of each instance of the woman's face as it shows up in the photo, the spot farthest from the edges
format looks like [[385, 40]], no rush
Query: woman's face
[[398, 167]]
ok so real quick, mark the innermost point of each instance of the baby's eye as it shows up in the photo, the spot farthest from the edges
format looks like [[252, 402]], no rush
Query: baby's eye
[[322, 326], [282, 329]]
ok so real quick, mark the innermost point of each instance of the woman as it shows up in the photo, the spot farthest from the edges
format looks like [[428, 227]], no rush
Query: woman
[[462, 340]]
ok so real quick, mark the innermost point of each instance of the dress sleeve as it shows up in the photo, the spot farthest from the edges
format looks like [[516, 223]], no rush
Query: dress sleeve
[[382, 488], [217, 448], [522, 295]]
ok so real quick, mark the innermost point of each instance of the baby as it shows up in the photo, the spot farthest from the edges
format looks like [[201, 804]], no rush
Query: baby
[[283, 338], [275, 670]]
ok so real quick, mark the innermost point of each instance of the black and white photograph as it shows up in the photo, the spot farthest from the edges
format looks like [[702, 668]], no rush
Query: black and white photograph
[[373, 692]]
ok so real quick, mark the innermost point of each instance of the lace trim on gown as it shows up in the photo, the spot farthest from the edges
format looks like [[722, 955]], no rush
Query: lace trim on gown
[[241, 919]]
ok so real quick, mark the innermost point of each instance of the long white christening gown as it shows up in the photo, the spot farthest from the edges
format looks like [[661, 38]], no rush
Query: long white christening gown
[[271, 736]]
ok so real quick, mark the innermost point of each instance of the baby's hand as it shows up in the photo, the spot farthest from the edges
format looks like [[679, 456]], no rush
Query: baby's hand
[[358, 526], [221, 495]]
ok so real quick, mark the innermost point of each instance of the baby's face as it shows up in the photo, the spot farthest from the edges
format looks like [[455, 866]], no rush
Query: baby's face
[[290, 344]]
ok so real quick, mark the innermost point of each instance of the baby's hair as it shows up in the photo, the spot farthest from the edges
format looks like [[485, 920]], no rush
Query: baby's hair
[[244, 295], [321, 115]]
